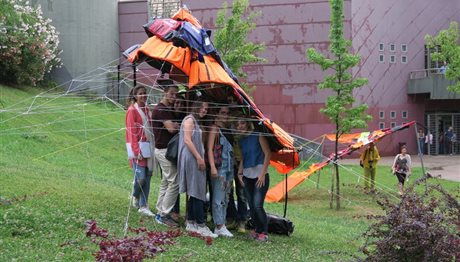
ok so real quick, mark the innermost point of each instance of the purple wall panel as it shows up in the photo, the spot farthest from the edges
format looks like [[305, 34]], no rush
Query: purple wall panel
[[132, 22]]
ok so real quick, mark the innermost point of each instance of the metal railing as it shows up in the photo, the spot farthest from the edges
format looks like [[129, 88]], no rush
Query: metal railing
[[424, 73]]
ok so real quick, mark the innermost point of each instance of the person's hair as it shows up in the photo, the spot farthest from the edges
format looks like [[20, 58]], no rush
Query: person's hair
[[132, 94], [196, 106], [168, 87], [249, 124]]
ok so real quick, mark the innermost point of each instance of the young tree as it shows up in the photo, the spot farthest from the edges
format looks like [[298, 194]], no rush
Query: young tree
[[448, 42], [339, 108], [231, 38]]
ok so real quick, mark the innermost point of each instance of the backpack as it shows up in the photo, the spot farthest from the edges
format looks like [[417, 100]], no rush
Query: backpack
[[164, 28], [197, 38], [276, 225]]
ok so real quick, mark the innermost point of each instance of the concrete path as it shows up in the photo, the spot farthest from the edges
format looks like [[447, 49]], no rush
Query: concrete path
[[448, 167]]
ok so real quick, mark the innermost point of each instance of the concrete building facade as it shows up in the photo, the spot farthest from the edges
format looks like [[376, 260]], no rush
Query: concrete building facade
[[88, 34], [388, 35]]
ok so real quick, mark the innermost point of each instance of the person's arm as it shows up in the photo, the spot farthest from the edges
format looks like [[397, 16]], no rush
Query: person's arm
[[409, 165], [133, 131], [377, 158], [394, 164], [171, 126], [240, 172], [189, 125], [267, 155], [210, 144]]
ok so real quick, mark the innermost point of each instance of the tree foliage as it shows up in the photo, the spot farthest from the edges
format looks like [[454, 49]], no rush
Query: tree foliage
[[340, 108], [419, 227], [448, 42], [28, 43], [231, 38]]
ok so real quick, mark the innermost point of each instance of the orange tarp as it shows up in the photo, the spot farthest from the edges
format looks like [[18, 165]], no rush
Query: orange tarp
[[278, 192], [209, 71], [155, 48], [185, 15], [284, 160]]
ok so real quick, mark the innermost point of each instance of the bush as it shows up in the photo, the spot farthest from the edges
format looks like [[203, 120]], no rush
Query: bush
[[28, 44], [421, 227]]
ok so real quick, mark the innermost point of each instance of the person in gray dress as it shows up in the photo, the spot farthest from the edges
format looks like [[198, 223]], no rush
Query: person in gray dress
[[192, 169]]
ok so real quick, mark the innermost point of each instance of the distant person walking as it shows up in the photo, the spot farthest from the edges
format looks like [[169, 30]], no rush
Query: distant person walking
[[402, 168], [368, 160], [421, 141], [450, 138], [138, 131]]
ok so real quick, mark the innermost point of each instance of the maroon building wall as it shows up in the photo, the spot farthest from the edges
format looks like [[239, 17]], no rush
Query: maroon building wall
[[287, 83]]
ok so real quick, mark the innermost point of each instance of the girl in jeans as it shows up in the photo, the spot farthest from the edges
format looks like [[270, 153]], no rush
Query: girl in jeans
[[221, 176], [138, 129], [253, 174]]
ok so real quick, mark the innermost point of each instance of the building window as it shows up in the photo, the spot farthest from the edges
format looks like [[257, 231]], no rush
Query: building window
[[392, 59], [382, 114], [381, 125], [403, 59], [392, 47], [404, 114], [393, 124], [393, 114], [403, 48], [381, 58], [381, 47]]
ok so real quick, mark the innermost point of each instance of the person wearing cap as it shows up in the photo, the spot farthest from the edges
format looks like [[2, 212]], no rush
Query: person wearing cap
[[368, 160]]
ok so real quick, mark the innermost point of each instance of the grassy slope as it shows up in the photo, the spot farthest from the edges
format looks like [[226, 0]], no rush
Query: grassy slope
[[57, 176]]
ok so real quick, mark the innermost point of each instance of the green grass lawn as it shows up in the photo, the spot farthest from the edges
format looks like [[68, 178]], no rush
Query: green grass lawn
[[64, 162]]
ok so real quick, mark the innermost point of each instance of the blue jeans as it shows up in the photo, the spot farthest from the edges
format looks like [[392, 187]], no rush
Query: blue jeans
[[195, 210], [256, 197], [141, 184], [220, 192], [239, 212]]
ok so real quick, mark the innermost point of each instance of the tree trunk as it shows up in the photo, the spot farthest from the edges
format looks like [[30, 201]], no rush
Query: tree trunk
[[331, 203], [337, 177]]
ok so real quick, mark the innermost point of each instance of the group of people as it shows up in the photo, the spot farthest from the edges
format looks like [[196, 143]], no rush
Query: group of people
[[401, 167], [446, 141], [212, 151]]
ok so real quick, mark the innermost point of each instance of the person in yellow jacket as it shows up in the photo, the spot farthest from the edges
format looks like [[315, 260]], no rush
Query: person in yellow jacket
[[368, 160]]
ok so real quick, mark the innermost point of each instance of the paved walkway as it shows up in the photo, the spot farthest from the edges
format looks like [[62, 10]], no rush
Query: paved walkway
[[448, 167]]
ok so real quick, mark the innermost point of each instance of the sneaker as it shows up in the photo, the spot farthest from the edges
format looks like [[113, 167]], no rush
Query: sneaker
[[190, 226], [158, 219], [253, 234], [146, 212], [223, 231], [167, 221], [231, 225], [205, 231], [242, 227], [135, 202], [262, 237]]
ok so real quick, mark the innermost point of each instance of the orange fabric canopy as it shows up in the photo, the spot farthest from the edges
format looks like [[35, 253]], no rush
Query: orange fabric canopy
[[160, 51]]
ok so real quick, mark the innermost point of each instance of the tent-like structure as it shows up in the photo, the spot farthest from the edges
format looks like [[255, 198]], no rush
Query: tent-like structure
[[180, 47], [356, 141]]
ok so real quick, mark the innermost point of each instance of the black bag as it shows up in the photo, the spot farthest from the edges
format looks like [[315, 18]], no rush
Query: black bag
[[173, 149], [277, 225]]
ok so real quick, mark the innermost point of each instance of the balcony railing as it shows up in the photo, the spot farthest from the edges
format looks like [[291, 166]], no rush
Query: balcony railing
[[430, 81]]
